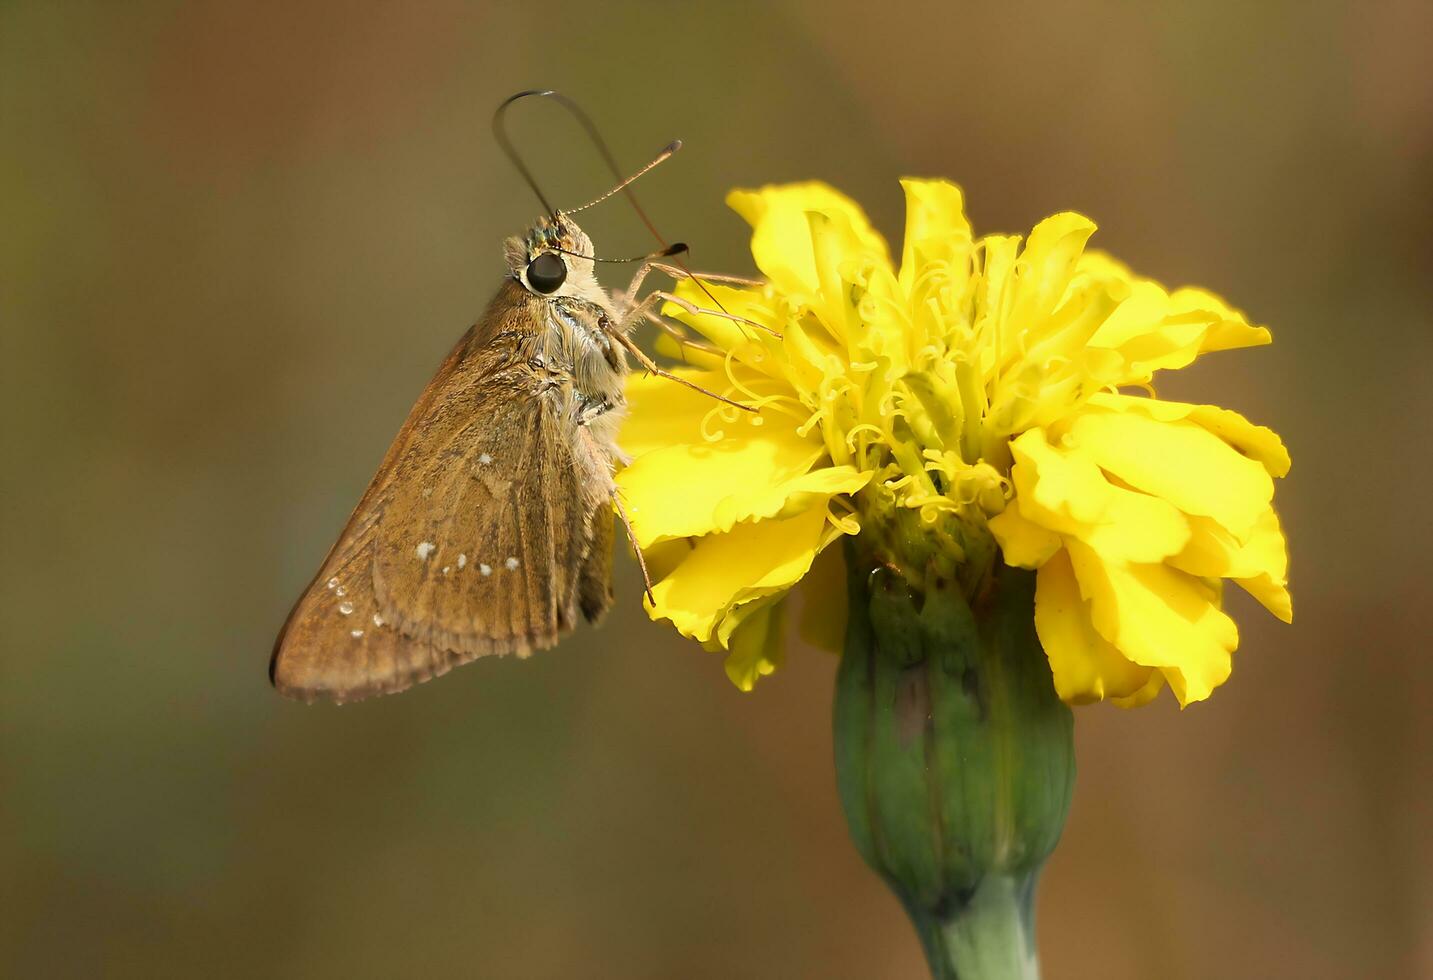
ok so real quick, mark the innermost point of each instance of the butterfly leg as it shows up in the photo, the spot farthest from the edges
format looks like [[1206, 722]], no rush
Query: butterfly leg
[[679, 335], [619, 335], [693, 308], [632, 312], [678, 272], [636, 548]]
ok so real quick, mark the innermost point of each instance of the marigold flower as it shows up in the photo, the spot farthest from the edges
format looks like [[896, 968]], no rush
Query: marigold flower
[[972, 406]]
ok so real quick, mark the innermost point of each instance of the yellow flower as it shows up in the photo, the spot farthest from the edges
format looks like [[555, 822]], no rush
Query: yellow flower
[[969, 407]]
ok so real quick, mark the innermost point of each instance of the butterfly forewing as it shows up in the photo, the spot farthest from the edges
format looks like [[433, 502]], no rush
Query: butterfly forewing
[[487, 530]]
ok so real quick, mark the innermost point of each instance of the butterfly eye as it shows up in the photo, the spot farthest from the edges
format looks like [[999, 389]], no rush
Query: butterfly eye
[[546, 273]]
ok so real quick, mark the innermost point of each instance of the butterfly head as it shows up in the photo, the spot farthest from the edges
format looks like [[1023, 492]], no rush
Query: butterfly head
[[554, 258]]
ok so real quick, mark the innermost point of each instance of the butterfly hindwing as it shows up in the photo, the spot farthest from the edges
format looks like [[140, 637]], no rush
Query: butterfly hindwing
[[486, 531]]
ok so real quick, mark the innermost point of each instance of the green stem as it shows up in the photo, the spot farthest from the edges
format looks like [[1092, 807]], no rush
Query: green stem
[[992, 935], [954, 758]]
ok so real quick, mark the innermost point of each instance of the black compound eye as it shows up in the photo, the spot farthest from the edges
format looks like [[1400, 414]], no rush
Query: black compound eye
[[546, 273]]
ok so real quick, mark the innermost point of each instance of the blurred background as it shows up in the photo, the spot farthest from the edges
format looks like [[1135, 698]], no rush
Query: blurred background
[[235, 241]]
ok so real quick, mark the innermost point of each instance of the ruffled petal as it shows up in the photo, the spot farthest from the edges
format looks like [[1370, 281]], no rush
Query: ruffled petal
[[1159, 617], [1154, 329], [1045, 268], [1024, 543], [781, 237], [726, 570], [1144, 695], [1087, 667], [1259, 564], [754, 646], [676, 488], [1255, 441], [688, 490], [937, 232], [1067, 493], [1180, 462], [1227, 328]]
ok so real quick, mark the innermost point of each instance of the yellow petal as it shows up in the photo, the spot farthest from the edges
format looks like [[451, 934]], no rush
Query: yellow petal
[[1141, 332], [755, 646], [1144, 695], [1154, 329], [1087, 667], [680, 485], [936, 230], [1259, 564], [749, 561], [688, 354], [1045, 268], [836, 252], [1180, 462], [692, 489], [1024, 543], [1104, 267], [1067, 493], [661, 412], [781, 236], [1227, 329], [1255, 441], [1159, 617]]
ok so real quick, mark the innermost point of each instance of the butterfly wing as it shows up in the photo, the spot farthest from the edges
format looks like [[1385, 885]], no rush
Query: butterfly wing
[[487, 530]]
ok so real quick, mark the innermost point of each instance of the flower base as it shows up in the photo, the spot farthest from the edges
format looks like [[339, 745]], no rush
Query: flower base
[[954, 758]]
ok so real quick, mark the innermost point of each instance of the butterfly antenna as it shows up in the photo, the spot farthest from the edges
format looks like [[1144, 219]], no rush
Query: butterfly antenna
[[597, 141], [500, 134], [666, 154]]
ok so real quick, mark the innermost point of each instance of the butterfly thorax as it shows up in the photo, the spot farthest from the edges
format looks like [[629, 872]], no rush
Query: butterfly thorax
[[571, 326]]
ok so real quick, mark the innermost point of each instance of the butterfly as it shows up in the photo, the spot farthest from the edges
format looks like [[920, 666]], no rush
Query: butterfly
[[489, 527]]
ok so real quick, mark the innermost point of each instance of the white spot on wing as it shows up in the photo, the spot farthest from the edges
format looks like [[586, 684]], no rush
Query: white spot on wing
[[377, 620], [355, 633], [340, 592], [447, 569], [333, 583], [485, 569], [485, 459], [424, 549], [462, 559], [345, 607], [511, 564]]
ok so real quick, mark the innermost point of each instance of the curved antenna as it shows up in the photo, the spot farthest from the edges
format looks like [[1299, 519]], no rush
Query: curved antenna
[[586, 122], [500, 134], [597, 141]]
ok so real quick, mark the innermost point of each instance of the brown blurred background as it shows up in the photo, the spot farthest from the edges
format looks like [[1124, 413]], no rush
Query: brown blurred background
[[236, 239]]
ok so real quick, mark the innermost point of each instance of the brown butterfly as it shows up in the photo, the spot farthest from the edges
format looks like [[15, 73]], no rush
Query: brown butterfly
[[488, 528]]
